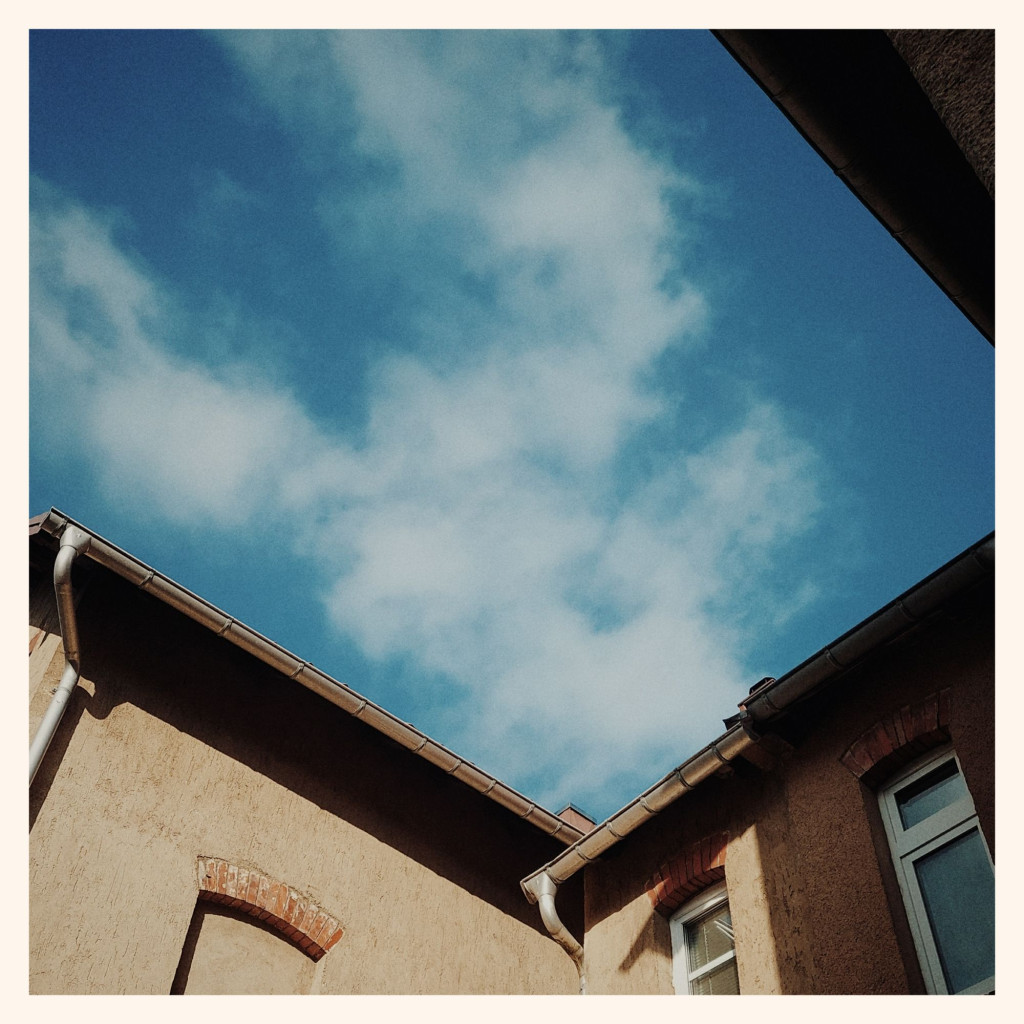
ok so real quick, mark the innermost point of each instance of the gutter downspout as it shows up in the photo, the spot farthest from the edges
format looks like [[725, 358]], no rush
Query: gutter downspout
[[542, 886], [73, 542], [543, 894], [849, 650]]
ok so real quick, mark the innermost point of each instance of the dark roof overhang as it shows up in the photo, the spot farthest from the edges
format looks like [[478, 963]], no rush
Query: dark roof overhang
[[854, 98]]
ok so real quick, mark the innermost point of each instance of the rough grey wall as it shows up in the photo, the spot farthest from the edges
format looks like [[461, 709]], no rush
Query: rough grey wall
[[956, 70]]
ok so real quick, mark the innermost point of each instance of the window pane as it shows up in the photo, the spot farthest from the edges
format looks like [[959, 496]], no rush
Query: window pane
[[958, 887], [722, 981], [709, 937], [930, 794]]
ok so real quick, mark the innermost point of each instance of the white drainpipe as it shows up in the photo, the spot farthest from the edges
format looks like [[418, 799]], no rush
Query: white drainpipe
[[56, 524], [542, 886], [763, 704], [72, 543], [545, 890]]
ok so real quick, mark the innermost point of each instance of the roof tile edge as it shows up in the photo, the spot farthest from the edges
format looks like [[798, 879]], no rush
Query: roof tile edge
[[270, 653]]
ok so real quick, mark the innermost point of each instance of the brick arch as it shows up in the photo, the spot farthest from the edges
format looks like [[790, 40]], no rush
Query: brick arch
[[275, 903], [698, 866], [899, 738]]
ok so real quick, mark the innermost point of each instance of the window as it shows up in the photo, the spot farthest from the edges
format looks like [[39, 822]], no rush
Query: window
[[945, 874], [704, 956]]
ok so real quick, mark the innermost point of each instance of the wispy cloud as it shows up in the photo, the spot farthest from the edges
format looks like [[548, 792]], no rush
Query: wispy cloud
[[492, 525]]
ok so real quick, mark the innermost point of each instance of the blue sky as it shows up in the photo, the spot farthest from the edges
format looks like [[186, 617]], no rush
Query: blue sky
[[545, 388]]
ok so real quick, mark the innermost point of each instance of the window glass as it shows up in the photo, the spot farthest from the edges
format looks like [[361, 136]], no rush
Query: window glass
[[722, 981], [927, 796], [945, 873], [958, 889], [709, 937], [703, 948]]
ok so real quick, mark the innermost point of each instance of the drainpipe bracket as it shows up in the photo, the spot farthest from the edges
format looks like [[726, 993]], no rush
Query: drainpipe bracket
[[766, 748], [746, 723]]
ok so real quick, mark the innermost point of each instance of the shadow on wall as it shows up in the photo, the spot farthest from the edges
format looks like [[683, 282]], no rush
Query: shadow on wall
[[227, 952], [653, 939], [137, 650], [764, 893]]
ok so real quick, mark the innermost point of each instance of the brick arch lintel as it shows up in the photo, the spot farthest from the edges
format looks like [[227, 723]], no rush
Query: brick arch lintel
[[898, 738], [698, 866], [277, 904]]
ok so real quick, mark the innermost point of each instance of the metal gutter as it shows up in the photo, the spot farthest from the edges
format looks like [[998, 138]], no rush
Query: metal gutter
[[652, 801], [879, 629], [165, 589], [812, 675]]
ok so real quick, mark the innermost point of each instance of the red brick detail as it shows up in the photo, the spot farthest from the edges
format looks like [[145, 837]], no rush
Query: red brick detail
[[899, 738], [577, 819], [690, 871], [276, 903]]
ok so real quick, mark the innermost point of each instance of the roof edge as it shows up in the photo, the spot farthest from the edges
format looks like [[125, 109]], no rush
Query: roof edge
[[904, 189], [817, 672], [120, 562]]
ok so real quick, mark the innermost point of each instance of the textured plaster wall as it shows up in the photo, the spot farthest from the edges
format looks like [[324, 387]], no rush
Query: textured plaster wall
[[626, 953], [177, 746], [830, 892], [229, 954], [628, 947], [812, 892]]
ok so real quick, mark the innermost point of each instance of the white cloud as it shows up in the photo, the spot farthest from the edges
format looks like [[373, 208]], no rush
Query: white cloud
[[480, 530], [198, 446], [193, 441]]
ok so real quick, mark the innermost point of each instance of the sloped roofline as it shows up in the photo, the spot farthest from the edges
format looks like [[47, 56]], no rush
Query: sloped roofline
[[769, 700], [852, 95], [196, 608]]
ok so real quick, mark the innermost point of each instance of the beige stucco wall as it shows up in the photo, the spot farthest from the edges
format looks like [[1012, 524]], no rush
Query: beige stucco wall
[[176, 745], [231, 954], [628, 948], [812, 892]]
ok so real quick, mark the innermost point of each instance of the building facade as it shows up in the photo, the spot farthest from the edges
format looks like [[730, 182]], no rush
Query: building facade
[[213, 815], [848, 846], [201, 822]]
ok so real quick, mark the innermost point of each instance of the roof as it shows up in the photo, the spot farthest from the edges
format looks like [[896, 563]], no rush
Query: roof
[[906, 121], [99, 550], [771, 699]]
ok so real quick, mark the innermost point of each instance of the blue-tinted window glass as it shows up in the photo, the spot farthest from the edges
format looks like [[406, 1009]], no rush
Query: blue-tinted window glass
[[930, 794], [958, 887]]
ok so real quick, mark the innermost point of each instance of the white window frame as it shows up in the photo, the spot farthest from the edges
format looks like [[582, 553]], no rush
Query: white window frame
[[710, 899], [910, 845]]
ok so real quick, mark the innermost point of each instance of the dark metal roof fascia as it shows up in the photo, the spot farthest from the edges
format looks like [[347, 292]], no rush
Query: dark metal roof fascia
[[856, 102], [201, 611], [823, 668], [652, 801], [883, 627]]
